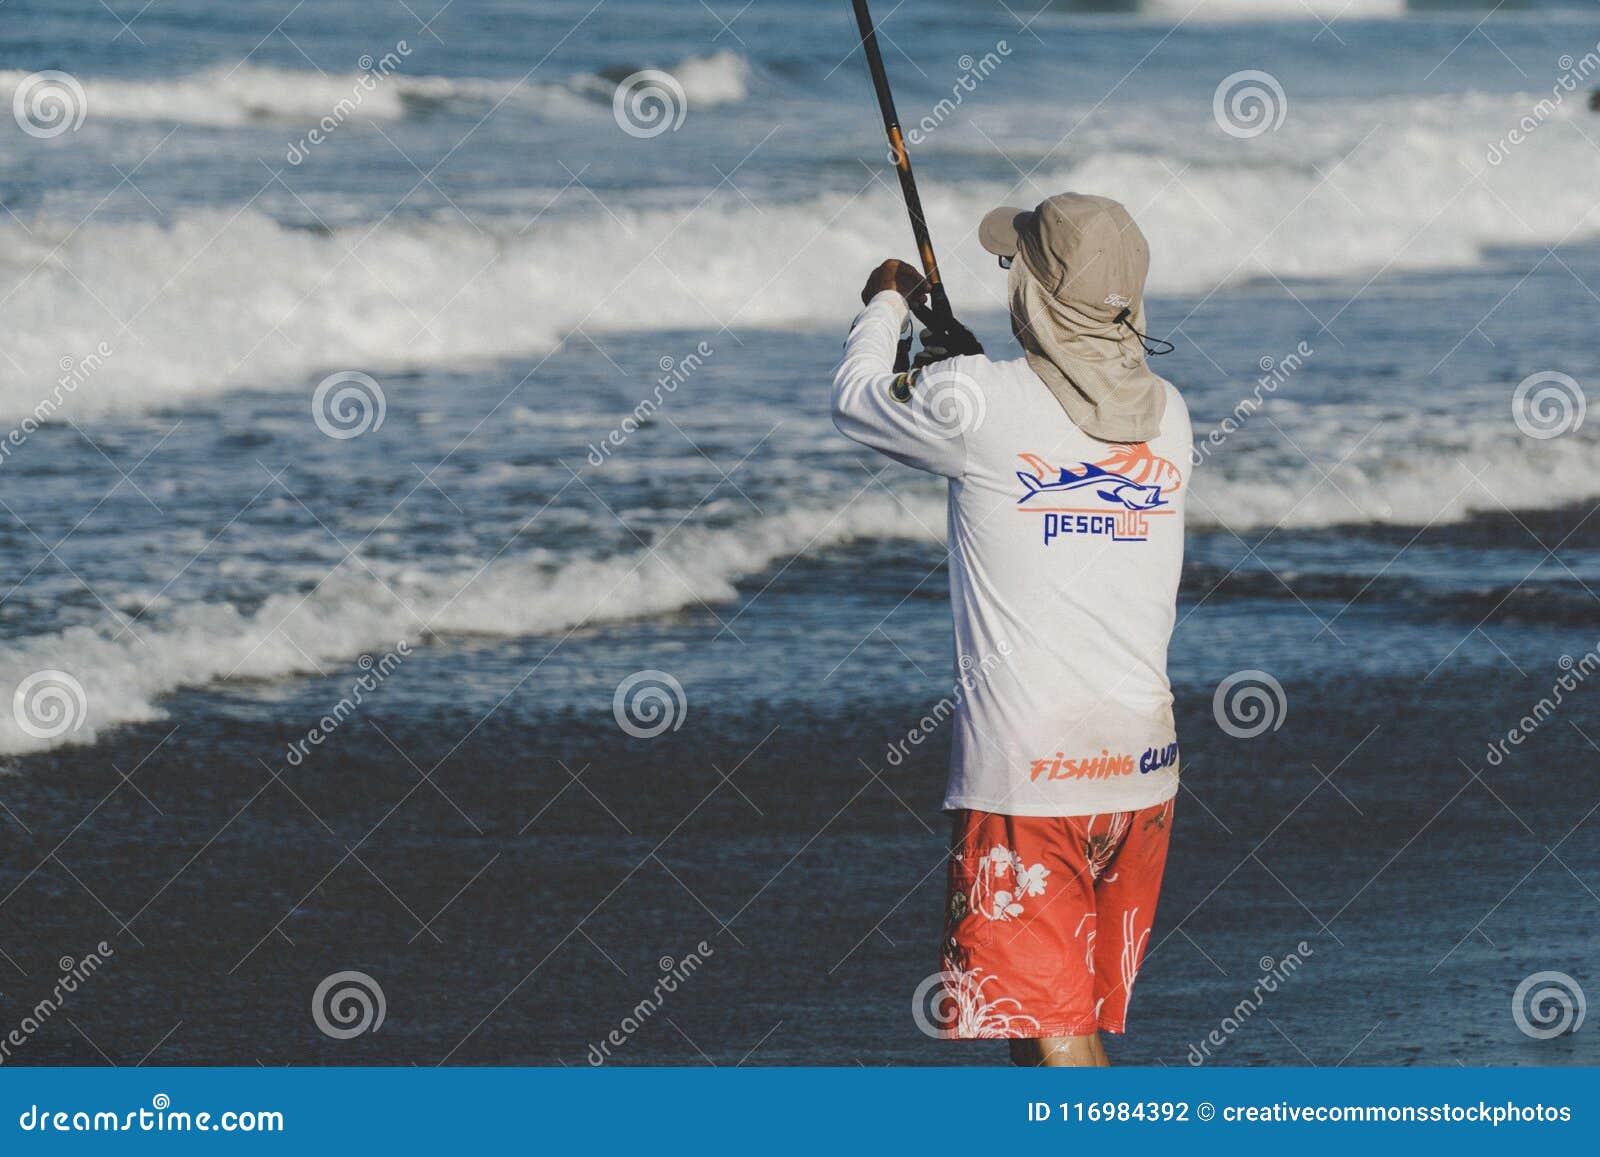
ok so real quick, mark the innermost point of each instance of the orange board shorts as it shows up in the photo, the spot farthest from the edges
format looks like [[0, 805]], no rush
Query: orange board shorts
[[1047, 921]]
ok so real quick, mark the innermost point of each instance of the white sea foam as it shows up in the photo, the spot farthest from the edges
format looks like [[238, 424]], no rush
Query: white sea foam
[[228, 97], [1396, 479], [122, 676], [720, 78], [248, 93], [1191, 11], [218, 299]]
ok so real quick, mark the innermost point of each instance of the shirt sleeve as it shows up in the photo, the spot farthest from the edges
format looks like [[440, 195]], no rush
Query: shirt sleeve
[[899, 415]]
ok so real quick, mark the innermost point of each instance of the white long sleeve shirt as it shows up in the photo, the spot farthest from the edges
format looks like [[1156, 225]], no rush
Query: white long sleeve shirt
[[1064, 560]]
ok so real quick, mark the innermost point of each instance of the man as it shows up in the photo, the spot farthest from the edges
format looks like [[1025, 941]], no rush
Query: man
[[1067, 474]]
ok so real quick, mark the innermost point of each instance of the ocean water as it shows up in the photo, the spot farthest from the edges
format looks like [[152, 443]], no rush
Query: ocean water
[[205, 547]]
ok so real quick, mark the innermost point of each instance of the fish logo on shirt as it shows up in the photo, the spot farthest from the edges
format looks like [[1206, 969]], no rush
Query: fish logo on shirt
[[1114, 497], [1102, 483]]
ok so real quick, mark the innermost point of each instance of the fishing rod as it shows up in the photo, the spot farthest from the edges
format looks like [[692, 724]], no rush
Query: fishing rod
[[938, 317]]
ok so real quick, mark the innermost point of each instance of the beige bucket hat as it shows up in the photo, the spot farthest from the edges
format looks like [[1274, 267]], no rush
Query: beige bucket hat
[[1077, 308]]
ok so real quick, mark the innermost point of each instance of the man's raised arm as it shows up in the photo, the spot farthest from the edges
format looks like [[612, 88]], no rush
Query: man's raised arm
[[877, 407]]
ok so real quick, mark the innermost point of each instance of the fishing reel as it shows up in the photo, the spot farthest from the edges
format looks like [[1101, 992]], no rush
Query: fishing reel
[[942, 337]]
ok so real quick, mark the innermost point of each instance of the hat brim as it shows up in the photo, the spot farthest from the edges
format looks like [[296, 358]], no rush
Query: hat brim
[[1000, 229]]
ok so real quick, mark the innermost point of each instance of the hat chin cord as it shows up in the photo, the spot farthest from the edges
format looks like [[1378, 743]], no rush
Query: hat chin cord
[[1152, 345]]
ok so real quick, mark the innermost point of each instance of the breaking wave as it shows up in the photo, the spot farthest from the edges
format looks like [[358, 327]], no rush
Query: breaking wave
[[121, 676], [442, 291], [251, 93]]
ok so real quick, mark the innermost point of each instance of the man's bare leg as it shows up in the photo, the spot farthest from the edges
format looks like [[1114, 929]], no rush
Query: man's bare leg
[[1083, 1052]]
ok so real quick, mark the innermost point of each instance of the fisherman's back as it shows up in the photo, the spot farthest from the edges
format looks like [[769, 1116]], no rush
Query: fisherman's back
[[1065, 553], [1065, 558], [1068, 472]]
